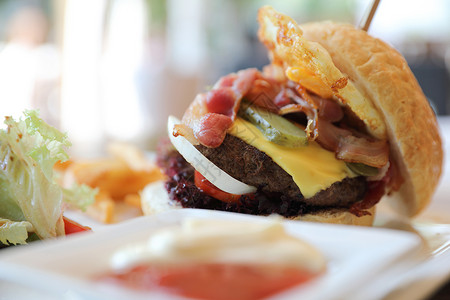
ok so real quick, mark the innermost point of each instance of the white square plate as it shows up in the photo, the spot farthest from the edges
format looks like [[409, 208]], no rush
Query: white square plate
[[64, 268]]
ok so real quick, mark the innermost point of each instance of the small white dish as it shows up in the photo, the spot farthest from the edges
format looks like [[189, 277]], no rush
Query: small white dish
[[66, 267]]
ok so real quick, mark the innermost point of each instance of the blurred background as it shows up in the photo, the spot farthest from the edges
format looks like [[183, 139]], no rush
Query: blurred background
[[113, 70]]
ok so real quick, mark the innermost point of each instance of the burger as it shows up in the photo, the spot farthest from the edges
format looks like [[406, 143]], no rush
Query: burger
[[335, 123]]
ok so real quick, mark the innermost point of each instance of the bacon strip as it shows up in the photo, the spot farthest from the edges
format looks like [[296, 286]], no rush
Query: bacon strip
[[228, 92], [350, 148], [212, 128], [283, 98], [330, 136], [212, 113], [291, 108], [328, 109], [263, 93], [312, 128], [372, 153], [186, 132], [376, 190]]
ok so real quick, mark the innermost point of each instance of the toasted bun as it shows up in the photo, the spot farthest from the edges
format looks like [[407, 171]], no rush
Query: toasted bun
[[155, 199], [338, 216], [383, 76]]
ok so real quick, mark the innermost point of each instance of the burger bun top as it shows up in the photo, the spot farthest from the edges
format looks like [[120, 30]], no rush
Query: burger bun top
[[382, 75]]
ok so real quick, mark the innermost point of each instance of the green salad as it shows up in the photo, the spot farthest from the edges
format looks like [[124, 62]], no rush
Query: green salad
[[31, 201]]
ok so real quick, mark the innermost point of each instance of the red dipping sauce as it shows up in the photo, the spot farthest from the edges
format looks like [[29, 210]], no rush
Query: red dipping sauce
[[212, 281]]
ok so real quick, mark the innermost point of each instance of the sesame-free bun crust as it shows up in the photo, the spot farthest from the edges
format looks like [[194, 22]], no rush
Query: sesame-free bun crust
[[383, 76], [338, 216], [155, 199]]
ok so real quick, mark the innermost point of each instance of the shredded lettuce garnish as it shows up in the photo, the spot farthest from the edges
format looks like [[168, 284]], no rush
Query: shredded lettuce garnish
[[79, 196], [14, 232], [30, 199]]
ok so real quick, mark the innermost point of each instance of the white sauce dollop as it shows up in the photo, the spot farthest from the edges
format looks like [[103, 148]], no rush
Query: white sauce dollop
[[221, 241]]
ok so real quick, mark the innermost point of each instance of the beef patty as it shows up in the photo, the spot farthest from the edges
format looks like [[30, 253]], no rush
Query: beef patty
[[277, 193], [251, 166]]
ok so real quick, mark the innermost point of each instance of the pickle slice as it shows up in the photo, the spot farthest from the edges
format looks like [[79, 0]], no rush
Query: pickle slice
[[274, 127], [362, 169]]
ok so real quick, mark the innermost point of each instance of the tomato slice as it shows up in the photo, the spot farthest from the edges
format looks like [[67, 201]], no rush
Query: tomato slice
[[70, 226], [210, 189], [213, 281]]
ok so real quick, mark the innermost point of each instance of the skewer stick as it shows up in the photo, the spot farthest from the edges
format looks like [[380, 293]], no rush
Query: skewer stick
[[365, 22]]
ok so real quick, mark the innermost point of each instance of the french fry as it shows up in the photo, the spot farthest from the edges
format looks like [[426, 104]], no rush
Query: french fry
[[119, 180], [133, 200], [132, 156], [103, 208]]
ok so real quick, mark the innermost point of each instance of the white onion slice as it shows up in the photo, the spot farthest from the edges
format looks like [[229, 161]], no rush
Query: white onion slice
[[210, 171]]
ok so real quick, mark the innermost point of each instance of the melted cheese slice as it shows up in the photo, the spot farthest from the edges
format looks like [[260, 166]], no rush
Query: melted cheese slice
[[312, 168]]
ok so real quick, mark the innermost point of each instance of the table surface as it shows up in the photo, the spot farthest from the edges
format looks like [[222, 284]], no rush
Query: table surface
[[442, 196]]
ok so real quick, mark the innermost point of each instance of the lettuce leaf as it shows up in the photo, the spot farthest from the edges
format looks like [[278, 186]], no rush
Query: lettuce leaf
[[29, 148], [79, 196], [14, 232]]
